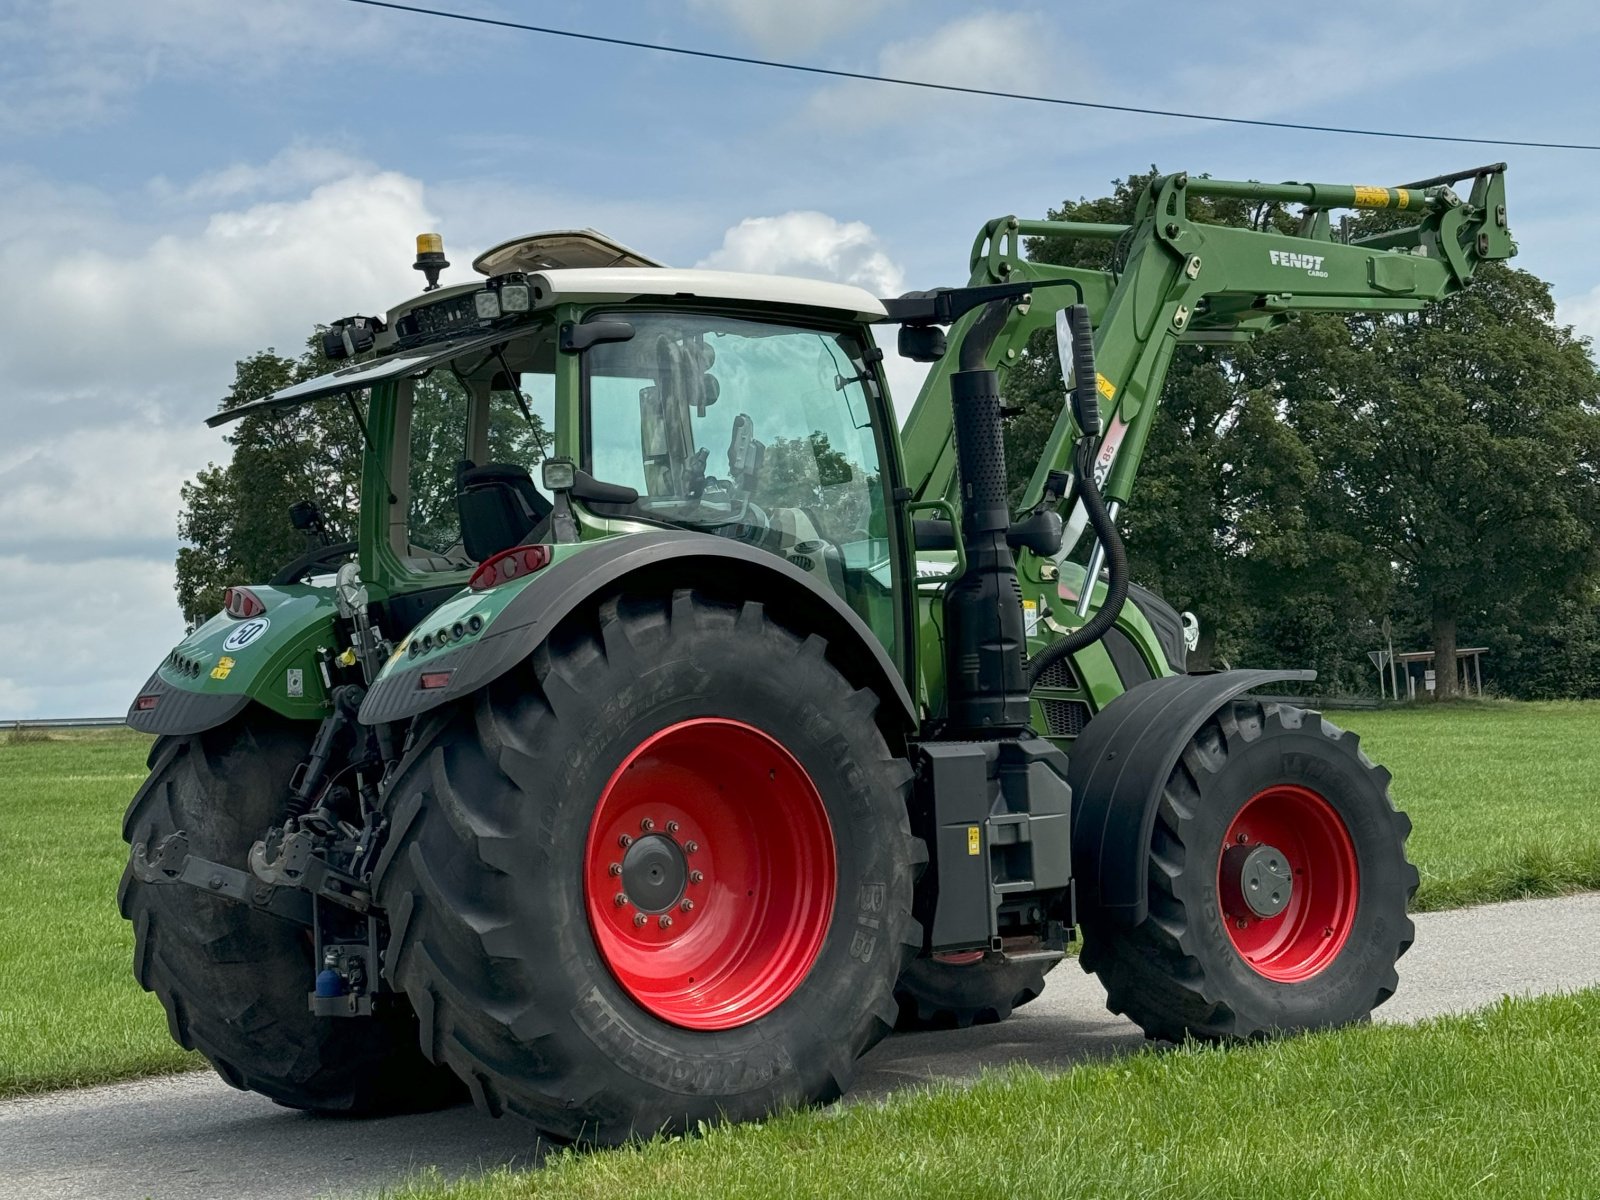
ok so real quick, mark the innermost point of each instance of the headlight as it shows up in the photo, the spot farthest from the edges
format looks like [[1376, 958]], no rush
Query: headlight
[[515, 298]]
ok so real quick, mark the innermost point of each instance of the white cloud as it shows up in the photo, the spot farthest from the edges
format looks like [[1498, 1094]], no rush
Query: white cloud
[[790, 25], [812, 244], [182, 306], [1004, 51], [82, 635], [65, 63], [1582, 312]]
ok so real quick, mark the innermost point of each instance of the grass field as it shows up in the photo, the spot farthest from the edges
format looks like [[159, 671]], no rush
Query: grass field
[[1500, 1103], [1501, 795]]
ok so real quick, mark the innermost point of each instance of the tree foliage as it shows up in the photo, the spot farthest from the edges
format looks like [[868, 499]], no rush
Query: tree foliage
[[1441, 468]]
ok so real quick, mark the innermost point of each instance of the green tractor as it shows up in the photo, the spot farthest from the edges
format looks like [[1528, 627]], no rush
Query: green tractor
[[657, 788]]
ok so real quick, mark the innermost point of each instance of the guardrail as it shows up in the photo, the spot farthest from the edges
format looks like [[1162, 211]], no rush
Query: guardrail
[[63, 723]]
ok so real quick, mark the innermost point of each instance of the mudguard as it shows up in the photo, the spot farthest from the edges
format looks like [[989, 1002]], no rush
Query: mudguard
[[222, 666], [1118, 767], [514, 618]]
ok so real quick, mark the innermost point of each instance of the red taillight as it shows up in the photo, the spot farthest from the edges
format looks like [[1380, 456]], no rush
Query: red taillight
[[508, 565], [146, 702], [436, 679], [241, 603]]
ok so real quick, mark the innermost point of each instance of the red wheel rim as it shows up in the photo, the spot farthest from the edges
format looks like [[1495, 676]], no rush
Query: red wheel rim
[[1303, 939], [716, 837]]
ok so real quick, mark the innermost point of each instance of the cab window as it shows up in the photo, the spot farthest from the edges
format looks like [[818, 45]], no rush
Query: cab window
[[752, 430]]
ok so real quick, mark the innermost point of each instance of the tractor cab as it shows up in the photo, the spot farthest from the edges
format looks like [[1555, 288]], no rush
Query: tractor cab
[[746, 407]]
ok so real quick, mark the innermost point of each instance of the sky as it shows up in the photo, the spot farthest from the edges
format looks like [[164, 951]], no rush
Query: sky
[[186, 182]]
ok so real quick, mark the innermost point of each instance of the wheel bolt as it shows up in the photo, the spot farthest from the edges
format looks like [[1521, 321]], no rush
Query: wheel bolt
[[638, 919], [647, 825], [620, 899], [1242, 838], [690, 847], [1327, 931], [624, 841], [687, 906], [696, 877], [672, 827], [615, 868], [665, 922], [1242, 923]]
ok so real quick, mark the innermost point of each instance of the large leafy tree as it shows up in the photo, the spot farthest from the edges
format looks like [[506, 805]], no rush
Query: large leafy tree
[[234, 521], [1441, 467]]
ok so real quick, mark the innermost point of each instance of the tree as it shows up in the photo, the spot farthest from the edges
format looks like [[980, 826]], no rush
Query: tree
[[1463, 442], [234, 516], [234, 520]]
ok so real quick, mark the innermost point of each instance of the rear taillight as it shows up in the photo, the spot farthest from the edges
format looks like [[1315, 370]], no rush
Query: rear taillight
[[435, 679], [240, 603], [147, 701], [508, 565]]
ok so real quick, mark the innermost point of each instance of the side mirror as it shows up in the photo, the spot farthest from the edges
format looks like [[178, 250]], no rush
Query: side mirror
[[923, 343]]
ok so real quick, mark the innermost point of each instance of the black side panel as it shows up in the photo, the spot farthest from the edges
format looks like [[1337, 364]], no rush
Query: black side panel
[[1118, 767], [668, 559], [178, 711], [1167, 623], [1125, 657]]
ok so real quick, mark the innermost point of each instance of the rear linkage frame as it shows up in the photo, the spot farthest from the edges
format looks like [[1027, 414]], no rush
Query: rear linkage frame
[[314, 869]]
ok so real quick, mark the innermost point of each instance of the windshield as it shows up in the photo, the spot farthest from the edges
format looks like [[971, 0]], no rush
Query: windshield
[[754, 430]]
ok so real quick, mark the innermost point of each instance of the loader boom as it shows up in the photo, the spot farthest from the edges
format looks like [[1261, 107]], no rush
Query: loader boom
[[1186, 282]]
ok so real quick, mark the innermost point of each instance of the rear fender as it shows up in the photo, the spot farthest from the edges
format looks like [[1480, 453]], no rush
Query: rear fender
[[215, 672], [515, 618], [1119, 765]]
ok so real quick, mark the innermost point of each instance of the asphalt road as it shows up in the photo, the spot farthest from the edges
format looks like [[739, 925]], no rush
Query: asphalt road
[[190, 1137]]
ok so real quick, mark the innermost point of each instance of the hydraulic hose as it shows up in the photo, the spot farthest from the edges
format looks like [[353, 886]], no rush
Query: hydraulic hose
[[1104, 528]]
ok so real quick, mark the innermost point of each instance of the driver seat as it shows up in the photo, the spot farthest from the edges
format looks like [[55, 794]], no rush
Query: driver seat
[[499, 508]]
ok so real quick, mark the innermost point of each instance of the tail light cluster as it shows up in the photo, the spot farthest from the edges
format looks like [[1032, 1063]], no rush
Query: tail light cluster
[[508, 565], [241, 603]]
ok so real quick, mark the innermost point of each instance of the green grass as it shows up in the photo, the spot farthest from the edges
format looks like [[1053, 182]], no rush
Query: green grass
[[1500, 1103], [70, 1011], [1501, 795]]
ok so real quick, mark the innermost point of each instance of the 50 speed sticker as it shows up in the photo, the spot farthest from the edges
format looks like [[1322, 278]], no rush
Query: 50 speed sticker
[[246, 633]]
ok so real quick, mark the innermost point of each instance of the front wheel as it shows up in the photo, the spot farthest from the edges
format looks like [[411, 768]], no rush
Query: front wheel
[[956, 991], [661, 874], [1278, 886]]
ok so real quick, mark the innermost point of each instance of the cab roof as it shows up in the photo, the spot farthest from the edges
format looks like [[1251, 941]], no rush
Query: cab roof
[[589, 284]]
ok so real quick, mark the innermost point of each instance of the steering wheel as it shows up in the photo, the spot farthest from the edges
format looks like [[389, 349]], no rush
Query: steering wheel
[[297, 569]]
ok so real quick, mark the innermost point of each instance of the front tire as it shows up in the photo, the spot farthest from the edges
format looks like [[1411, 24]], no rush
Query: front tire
[[541, 858], [233, 980], [1278, 886]]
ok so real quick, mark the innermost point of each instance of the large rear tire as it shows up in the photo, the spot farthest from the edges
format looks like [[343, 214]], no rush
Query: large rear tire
[[658, 875], [1278, 886], [959, 991], [234, 981]]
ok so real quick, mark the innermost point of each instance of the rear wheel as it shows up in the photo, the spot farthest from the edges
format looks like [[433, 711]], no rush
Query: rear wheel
[[661, 874], [954, 991], [234, 981], [1278, 886]]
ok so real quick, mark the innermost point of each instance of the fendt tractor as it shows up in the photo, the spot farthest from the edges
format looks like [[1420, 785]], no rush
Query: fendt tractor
[[653, 778]]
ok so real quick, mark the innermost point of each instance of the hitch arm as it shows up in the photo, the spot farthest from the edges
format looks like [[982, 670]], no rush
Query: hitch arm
[[172, 863]]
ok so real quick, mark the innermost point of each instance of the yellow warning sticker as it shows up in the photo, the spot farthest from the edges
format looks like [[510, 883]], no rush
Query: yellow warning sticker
[[224, 665], [974, 844], [1372, 197], [1405, 198], [1104, 386]]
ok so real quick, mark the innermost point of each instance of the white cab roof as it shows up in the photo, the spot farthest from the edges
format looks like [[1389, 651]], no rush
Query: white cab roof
[[587, 284]]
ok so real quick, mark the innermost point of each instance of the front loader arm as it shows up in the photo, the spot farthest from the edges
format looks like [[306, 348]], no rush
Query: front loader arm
[[1186, 281]]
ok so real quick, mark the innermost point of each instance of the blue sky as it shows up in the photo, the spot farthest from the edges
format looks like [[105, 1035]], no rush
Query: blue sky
[[184, 182]]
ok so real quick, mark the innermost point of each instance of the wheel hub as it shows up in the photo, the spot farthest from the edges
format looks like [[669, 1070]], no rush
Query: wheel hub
[[655, 872], [1260, 879]]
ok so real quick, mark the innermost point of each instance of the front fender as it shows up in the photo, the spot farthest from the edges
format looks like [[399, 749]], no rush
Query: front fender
[[516, 617], [1118, 767], [222, 666]]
